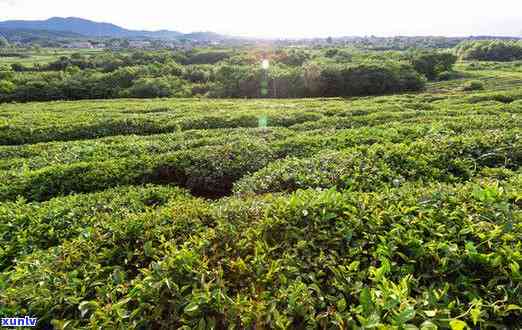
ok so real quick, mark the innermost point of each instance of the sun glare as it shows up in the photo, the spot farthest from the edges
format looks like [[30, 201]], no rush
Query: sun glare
[[265, 64]]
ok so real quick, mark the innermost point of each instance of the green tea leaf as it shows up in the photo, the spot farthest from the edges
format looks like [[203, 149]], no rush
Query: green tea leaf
[[458, 325], [341, 305]]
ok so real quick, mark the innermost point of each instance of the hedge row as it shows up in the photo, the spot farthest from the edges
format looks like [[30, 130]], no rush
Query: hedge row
[[432, 256], [371, 168], [35, 156], [23, 134], [33, 123], [207, 171], [26, 227], [212, 170], [284, 142]]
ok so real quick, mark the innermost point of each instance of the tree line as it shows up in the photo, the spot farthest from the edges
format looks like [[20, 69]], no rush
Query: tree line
[[490, 50], [220, 73]]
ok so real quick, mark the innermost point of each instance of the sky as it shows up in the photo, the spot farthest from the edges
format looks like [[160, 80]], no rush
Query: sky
[[289, 18]]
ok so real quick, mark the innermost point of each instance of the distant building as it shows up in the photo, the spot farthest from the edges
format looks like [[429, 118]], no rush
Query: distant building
[[80, 44], [187, 47], [140, 44], [168, 44]]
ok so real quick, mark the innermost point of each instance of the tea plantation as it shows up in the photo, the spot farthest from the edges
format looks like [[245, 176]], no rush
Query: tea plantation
[[389, 212]]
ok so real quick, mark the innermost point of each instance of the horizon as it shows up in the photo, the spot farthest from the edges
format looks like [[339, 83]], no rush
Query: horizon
[[233, 18]]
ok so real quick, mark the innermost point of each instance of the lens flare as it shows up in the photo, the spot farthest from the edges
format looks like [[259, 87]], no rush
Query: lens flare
[[263, 122], [265, 64]]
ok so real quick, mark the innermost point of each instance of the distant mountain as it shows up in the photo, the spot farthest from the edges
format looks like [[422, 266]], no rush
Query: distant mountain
[[86, 28], [203, 36], [29, 34]]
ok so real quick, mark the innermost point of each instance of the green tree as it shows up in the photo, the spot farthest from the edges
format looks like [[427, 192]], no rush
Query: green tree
[[432, 64], [490, 50], [158, 87], [3, 42]]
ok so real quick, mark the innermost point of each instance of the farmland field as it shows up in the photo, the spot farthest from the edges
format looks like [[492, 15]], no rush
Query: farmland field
[[43, 56], [396, 211]]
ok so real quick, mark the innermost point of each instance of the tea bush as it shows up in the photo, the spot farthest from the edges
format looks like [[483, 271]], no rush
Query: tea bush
[[369, 168], [26, 227], [399, 257], [391, 212], [205, 171], [473, 86]]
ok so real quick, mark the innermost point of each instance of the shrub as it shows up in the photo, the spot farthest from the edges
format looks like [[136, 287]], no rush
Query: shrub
[[490, 50], [475, 85], [394, 212], [319, 258], [339, 55], [157, 87], [206, 57], [374, 167], [367, 79], [503, 97], [36, 226], [432, 64], [448, 75], [293, 57], [207, 171], [6, 87]]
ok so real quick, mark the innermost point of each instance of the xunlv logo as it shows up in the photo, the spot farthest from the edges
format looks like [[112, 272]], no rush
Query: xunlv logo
[[19, 321]]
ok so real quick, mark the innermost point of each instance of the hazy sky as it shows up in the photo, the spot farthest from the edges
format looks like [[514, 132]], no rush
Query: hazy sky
[[289, 18]]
